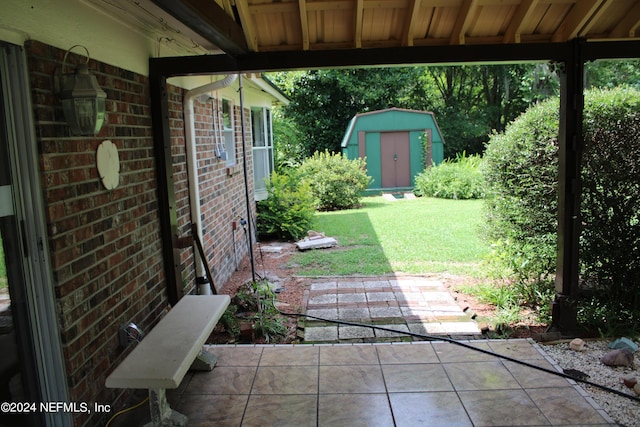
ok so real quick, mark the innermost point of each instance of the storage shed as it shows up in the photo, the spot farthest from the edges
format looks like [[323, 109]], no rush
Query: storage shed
[[391, 140]]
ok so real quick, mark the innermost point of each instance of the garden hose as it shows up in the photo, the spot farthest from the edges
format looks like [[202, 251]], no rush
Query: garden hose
[[470, 347]]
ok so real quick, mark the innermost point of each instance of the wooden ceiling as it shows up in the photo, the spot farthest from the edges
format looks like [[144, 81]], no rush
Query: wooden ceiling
[[249, 26]]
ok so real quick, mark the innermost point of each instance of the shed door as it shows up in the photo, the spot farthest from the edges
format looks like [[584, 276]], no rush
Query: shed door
[[395, 162]]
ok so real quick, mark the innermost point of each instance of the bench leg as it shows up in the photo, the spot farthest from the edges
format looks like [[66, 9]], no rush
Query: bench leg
[[205, 361], [161, 414]]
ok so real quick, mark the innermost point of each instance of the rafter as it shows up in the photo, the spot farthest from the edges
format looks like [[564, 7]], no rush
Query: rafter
[[628, 26], [210, 21], [247, 24], [357, 36], [410, 22], [464, 17], [512, 34], [577, 18], [595, 17], [304, 23]]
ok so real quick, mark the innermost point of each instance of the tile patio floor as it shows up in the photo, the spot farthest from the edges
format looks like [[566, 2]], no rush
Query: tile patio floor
[[382, 384]]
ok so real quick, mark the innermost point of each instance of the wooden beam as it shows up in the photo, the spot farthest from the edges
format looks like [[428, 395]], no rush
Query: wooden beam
[[576, 19], [522, 15], [209, 20], [628, 25], [247, 24], [314, 59], [464, 17], [304, 23], [357, 35], [289, 7], [570, 148], [386, 4], [317, 6], [410, 22], [167, 206], [594, 18], [226, 5]]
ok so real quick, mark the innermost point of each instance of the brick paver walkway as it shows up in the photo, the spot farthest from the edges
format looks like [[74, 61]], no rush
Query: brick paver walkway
[[416, 304]]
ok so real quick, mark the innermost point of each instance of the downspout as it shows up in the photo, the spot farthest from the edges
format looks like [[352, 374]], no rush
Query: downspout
[[246, 178], [202, 281]]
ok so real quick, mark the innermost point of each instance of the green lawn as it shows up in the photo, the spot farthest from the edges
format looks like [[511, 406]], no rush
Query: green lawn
[[425, 235]]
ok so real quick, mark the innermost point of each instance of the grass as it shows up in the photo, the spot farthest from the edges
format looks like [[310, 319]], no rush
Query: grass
[[425, 235]]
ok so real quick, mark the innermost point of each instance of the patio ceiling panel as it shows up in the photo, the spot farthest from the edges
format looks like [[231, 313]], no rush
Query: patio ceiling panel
[[580, 18], [440, 28], [308, 25], [383, 22], [621, 21]]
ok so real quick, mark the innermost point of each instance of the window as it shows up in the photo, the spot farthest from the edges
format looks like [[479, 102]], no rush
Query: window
[[228, 133], [262, 150]]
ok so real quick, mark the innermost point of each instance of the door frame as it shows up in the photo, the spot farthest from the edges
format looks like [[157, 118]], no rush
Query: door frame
[[31, 278]]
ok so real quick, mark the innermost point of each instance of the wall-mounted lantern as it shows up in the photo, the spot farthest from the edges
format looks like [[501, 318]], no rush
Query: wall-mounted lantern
[[83, 101]]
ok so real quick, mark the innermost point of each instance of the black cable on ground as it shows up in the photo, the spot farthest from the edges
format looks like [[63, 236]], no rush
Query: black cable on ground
[[471, 347]]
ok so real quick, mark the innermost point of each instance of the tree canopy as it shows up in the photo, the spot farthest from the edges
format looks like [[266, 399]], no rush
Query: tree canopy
[[470, 102]]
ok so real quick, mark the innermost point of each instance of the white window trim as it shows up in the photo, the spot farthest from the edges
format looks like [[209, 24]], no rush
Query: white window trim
[[267, 132], [229, 143]]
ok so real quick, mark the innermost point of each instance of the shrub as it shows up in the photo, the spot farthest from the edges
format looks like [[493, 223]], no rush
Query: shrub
[[336, 182], [458, 179], [288, 211], [521, 170], [610, 240]]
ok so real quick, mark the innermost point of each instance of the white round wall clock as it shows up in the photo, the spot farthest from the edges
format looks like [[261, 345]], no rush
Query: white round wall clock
[[108, 163]]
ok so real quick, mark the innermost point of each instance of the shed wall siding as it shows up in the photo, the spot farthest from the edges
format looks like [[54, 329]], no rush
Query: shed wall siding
[[374, 123]]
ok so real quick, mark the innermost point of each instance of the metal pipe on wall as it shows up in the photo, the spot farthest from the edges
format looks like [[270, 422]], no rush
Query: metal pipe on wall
[[202, 281]]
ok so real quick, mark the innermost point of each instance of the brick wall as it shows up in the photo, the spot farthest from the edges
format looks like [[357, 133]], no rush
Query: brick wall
[[105, 245], [222, 191], [106, 248]]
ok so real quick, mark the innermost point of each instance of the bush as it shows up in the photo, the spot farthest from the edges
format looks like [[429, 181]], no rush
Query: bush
[[458, 179], [610, 240], [288, 211], [336, 182], [521, 169]]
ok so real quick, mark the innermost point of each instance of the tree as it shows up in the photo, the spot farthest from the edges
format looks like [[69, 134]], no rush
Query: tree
[[469, 102], [477, 100], [324, 101]]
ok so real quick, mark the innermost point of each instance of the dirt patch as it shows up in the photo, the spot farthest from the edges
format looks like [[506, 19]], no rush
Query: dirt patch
[[485, 313], [271, 262]]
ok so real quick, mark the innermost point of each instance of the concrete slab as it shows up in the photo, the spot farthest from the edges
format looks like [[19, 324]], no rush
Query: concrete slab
[[325, 313], [353, 313], [321, 334], [324, 243], [388, 334], [351, 332]]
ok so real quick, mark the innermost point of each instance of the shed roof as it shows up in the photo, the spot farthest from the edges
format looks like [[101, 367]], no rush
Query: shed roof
[[354, 120]]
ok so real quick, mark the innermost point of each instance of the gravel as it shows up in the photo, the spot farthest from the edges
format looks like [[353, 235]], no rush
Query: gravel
[[624, 411]]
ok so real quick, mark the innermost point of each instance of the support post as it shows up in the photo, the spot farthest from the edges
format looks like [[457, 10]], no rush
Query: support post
[[571, 145], [161, 413], [166, 192]]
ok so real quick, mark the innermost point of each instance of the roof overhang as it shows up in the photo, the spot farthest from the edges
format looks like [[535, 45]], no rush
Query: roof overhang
[[426, 55], [241, 27]]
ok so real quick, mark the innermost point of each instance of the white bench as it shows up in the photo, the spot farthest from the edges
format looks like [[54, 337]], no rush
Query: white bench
[[161, 360]]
